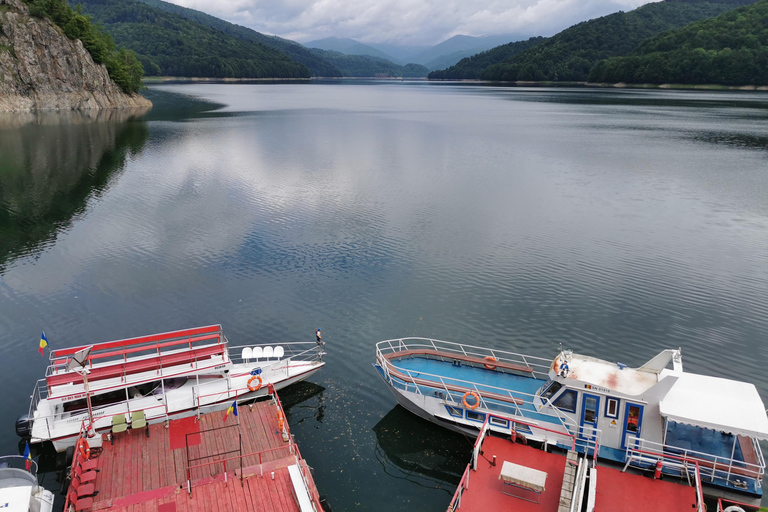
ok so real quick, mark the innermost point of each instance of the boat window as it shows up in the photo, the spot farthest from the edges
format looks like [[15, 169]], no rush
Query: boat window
[[590, 409], [454, 411], [493, 420], [551, 390], [475, 416], [633, 418], [522, 428], [612, 408], [566, 401]]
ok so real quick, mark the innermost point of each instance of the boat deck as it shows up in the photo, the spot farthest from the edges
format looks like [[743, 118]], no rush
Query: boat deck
[[140, 473], [616, 491], [425, 368]]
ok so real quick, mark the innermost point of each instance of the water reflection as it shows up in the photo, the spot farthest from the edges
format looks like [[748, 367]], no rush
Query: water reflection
[[412, 449], [293, 399], [52, 164]]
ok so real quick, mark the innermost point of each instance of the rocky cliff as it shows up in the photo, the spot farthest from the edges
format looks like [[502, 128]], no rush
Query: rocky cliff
[[41, 69]]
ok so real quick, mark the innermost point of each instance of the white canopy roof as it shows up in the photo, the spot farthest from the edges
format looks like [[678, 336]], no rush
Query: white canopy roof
[[717, 404]]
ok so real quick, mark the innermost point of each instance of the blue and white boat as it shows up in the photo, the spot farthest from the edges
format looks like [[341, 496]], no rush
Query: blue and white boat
[[655, 414]]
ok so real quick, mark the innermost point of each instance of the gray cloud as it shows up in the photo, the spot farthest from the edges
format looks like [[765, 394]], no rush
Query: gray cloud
[[425, 22]]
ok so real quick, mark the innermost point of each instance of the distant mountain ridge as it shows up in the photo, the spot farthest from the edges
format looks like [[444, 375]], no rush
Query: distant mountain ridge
[[366, 66], [439, 56], [457, 47], [350, 47]]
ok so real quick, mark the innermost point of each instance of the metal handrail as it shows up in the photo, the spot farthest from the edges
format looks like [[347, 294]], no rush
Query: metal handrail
[[756, 471], [682, 462], [12, 460], [534, 362], [455, 503], [514, 397]]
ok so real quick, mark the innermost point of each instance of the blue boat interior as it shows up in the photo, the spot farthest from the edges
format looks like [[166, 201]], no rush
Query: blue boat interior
[[458, 374]]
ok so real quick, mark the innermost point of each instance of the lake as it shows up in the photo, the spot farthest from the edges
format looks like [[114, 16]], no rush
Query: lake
[[616, 222]]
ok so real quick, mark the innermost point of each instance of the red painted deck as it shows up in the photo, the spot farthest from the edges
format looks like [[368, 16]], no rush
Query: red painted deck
[[616, 491], [142, 474], [625, 492], [484, 492]]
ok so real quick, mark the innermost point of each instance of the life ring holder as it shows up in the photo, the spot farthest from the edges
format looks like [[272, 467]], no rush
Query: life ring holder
[[256, 388], [83, 448], [490, 360], [472, 394]]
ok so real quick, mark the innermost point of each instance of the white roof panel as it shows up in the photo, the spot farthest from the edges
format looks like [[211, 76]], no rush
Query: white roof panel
[[717, 404]]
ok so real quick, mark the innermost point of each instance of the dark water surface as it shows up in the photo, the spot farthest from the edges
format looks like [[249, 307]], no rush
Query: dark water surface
[[617, 222]]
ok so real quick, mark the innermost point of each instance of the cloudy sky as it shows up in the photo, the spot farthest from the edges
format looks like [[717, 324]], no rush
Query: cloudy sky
[[408, 22]]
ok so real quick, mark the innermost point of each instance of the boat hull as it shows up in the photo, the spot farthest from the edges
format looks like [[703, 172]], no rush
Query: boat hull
[[62, 443]]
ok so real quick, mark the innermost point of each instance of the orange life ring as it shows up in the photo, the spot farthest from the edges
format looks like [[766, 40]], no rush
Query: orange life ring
[[251, 388], [556, 366], [83, 448], [472, 394], [491, 359]]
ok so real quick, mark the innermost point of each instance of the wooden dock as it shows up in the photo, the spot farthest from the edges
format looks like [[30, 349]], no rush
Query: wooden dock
[[204, 465]]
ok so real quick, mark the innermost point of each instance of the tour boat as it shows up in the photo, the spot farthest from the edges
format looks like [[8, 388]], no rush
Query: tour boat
[[156, 378], [19, 490], [641, 417]]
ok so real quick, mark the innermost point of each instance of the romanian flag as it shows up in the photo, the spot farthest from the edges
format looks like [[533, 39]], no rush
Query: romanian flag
[[27, 455], [232, 409], [43, 342]]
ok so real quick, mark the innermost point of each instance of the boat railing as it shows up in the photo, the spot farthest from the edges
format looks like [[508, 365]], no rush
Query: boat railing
[[39, 392], [688, 468], [289, 350], [453, 390], [463, 486], [539, 366], [132, 349], [297, 351], [309, 482], [712, 467], [15, 466], [588, 440], [102, 416]]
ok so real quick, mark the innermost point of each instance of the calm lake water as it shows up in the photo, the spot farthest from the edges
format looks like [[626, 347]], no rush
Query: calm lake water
[[616, 222]]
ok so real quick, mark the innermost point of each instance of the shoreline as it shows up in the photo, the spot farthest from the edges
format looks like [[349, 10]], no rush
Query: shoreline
[[521, 83], [619, 85], [166, 79]]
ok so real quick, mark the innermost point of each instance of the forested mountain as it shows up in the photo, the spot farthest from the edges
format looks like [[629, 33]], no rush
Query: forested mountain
[[169, 44], [367, 66], [570, 54], [317, 66], [471, 67], [731, 49]]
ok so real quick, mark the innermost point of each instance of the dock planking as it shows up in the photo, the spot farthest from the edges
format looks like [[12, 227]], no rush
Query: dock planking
[[139, 473]]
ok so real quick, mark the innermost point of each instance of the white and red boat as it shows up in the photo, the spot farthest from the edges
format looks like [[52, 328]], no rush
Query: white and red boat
[[631, 416], [152, 379]]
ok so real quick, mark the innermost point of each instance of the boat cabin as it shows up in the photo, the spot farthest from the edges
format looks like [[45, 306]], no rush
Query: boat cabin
[[636, 414]]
